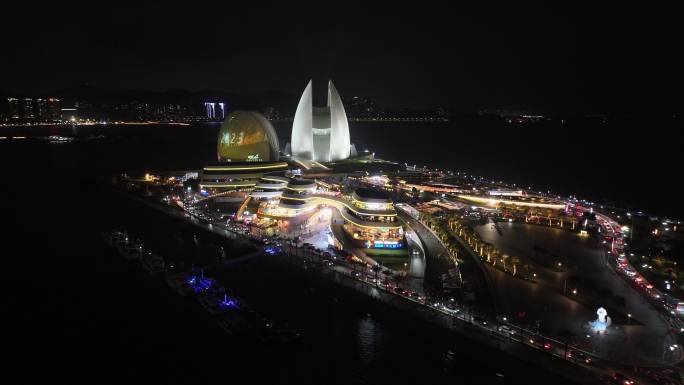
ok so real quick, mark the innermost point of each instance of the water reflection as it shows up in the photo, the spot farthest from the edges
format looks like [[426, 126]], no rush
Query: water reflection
[[369, 336]]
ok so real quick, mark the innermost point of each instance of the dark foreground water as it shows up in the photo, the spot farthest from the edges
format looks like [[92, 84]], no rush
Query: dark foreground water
[[76, 311]]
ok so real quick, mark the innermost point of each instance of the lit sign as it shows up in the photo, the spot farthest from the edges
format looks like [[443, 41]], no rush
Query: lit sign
[[386, 244], [233, 140]]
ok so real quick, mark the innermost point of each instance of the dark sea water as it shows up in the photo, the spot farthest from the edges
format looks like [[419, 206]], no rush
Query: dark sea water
[[78, 312], [632, 163], [629, 163]]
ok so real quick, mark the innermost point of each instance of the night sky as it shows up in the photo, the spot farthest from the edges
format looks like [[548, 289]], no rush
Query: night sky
[[572, 59]]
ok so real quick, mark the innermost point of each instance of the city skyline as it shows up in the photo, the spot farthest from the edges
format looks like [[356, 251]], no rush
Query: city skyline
[[179, 105]]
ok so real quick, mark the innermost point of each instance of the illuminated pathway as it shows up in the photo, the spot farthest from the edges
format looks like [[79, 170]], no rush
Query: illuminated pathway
[[438, 263], [417, 262], [436, 260]]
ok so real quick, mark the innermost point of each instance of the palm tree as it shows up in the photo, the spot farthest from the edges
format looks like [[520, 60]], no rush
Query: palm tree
[[567, 336], [515, 261], [504, 258]]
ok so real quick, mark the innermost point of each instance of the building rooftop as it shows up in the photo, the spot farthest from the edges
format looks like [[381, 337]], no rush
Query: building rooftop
[[301, 182], [371, 194]]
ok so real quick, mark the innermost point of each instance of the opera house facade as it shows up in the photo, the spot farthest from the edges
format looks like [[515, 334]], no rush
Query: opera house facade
[[247, 136], [247, 148], [320, 133]]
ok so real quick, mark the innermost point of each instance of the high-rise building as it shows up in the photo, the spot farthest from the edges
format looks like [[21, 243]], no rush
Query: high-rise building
[[53, 111], [361, 107], [215, 110], [320, 133], [13, 108], [70, 114], [211, 110], [27, 108], [221, 111], [41, 109], [271, 113]]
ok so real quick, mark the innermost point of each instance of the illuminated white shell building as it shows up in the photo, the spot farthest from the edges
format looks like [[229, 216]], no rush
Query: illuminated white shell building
[[320, 133]]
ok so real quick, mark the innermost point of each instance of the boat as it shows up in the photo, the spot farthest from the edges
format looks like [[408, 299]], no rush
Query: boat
[[235, 323], [59, 139], [177, 280], [131, 250], [152, 263], [269, 332], [128, 248], [218, 304], [198, 283], [113, 238]]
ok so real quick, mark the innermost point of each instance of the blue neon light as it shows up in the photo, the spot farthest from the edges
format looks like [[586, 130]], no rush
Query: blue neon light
[[229, 302], [200, 284], [272, 250], [386, 245]]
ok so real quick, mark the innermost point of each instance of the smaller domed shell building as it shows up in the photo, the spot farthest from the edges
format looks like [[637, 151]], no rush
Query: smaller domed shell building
[[247, 148], [247, 136]]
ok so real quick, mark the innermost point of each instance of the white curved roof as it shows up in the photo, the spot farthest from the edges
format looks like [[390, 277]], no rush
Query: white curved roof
[[339, 127], [302, 126], [333, 142]]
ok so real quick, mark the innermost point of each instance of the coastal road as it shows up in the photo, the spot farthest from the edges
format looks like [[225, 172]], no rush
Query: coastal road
[[438, 262]]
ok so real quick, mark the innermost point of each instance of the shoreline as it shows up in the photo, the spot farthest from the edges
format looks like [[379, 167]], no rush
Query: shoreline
[[416, 312]]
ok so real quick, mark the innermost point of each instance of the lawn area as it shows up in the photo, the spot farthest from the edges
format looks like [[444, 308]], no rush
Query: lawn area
[[394, 261]]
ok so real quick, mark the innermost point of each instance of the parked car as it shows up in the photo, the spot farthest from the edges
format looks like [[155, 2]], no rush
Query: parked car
[[578, 356], [621, 379]]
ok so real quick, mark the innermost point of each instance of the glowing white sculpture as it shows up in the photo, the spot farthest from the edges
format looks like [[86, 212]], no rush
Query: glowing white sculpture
[[602, 313], [602, 322]]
